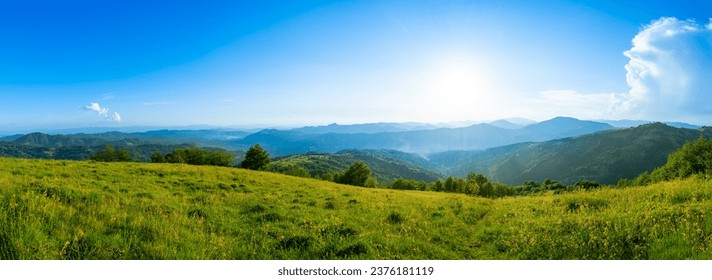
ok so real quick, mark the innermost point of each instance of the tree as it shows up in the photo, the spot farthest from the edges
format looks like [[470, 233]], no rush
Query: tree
[[486, 190], [256, 158], [479, 179], [449, 185], [474, 183], [356, 175], [587, 185], [692, 158], [177, 156], [219, 158], [438, 186], [157, 157], [110, 154]]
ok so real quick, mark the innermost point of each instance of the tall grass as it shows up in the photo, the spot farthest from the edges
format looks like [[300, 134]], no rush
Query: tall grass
[[91, 210]]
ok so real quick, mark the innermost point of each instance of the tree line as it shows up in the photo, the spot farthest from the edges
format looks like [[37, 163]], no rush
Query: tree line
[[256, 158], [195, 156]]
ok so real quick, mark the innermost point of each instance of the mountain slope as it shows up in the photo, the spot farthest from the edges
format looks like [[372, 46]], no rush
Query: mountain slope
[[386, 165], [605, 156]]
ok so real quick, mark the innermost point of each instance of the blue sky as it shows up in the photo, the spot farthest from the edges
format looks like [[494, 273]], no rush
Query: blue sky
[[262, 63]]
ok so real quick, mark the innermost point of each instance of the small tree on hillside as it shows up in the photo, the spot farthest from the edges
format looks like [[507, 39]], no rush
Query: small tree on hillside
[[158, 157], [256, 158], [357, 175], [111, 155]]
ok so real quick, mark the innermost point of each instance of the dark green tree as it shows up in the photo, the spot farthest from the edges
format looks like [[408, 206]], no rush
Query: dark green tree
[[438, 185], [195, 156], [692, 158], [256, 158], [356, 175], [177, 156], [110, 154], [487, 190], [219, 158], [449, 185], [586, 185], [158, 157]]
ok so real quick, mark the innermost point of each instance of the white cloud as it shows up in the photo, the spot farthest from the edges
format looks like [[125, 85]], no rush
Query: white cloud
[[669, 72], [103, 112], [116, 117]]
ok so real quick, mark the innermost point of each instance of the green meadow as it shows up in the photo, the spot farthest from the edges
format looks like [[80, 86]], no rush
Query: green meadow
[[96, 210]]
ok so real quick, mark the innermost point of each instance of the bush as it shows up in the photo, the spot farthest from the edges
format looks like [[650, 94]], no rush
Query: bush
[[256, 158], [110, 154], [357, 175], [195, 156]]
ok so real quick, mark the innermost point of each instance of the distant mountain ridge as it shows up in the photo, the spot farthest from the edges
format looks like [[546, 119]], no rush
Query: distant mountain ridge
[[368, 128], [506, 124], [210, 138], [406, 137], [475, 137], [81, 146], [634, 123]]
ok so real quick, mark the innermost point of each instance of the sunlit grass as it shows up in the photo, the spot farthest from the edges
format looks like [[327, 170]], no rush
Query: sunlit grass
[[93, 210]]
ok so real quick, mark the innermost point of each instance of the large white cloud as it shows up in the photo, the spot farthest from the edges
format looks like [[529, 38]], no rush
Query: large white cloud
[[669, 72], [104, 112]]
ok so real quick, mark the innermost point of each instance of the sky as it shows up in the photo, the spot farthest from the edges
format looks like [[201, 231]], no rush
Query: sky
[[66, 64]]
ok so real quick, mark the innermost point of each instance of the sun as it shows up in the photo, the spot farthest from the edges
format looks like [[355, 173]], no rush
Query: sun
[[458, 86]]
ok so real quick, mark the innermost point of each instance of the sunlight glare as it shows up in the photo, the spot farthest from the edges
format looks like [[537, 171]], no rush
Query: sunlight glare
[[459, 87]]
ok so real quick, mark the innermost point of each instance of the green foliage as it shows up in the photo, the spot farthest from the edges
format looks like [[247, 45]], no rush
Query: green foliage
[[356, 175], [587, 185], [195, 156], [694, 158], [256, 158], [110, 154], [406, 184], [97, 210], [158, 157]]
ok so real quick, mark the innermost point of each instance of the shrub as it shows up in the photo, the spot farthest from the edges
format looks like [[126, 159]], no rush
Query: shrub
[[256, 158]]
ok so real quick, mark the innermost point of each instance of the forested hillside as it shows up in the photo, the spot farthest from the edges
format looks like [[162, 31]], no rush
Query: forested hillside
[[605, 157], [385, 164]]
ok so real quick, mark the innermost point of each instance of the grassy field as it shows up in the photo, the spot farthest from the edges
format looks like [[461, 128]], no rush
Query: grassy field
[[92, 210]]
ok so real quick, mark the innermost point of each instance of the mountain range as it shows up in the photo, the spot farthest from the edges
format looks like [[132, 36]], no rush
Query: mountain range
[[563, 149], [475, 137]]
